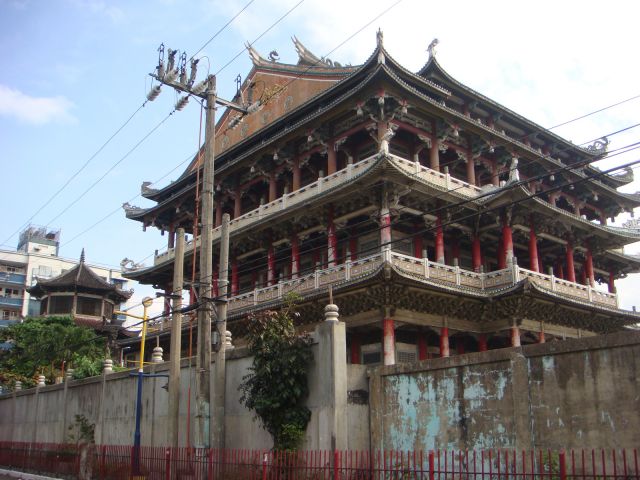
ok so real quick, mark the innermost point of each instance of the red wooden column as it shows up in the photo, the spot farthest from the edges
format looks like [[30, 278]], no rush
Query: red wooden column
[[434, 154], [332, 243], [235, 278], [219, 206], [612, 281], [418, 244], [332, 162], [295, 175], [559, 270], [214, 282], [534, 263], [171, 241], [385, 224], [439, 240], [423, 352], [388, 340], [459, 346], [541, 335], [588, 267], [571, 271], [237, 204], [471, 169], [482, 343], [354, 350], [507, 239], [273, 187], [295, 255], [271, 265], [515, 336], [502, 262], [476, 253], [444, 342], [353, 246]]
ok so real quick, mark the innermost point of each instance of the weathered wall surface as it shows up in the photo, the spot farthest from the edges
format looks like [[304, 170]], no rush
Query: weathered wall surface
[[571, 394], [109, 401]]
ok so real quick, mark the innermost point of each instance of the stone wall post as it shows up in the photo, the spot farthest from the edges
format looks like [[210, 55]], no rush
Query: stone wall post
[[332, 372]]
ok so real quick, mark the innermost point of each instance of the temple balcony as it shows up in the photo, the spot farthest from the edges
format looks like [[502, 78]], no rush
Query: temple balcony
[[420, 269], [437, 180]]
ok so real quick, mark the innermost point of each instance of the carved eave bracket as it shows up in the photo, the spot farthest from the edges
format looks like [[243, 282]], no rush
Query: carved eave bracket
[[147, 191]]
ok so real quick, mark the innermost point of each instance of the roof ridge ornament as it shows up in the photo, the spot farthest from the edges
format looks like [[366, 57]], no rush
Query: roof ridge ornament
[[82, 256], [432, 48], [380, 46]]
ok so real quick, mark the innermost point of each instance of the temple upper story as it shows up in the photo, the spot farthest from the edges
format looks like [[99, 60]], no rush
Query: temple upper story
[[371, 176]]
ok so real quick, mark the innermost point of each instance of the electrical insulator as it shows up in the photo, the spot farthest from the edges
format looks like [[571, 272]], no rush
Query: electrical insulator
[[200, 87], [182, 102], [254, 107], [171, 75], [153, 93]]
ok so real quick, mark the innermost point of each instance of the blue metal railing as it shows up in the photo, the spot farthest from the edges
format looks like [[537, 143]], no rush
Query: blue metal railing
[[15, 278]]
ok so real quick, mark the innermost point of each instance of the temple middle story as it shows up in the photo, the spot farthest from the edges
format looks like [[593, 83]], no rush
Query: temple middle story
[[443, 222]]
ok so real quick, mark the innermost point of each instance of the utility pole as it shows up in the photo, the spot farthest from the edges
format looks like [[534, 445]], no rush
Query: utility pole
[[176, 340], [218, 432], [175, 76]]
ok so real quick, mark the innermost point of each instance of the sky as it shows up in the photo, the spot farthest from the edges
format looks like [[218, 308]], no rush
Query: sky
[[75, 71]]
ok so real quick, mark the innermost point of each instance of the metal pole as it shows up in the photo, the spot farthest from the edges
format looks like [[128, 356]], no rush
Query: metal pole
[[203, 357], [221, 327], [176, 340], [146, 303]]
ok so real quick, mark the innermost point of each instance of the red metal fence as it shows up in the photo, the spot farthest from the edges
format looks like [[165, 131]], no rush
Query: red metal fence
[[108, 462]]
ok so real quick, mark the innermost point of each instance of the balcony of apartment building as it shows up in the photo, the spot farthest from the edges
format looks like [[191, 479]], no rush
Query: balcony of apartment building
[[12, 278]]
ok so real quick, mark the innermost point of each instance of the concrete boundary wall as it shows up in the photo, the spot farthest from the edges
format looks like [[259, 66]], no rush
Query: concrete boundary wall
[[44, 414], [569, 394]]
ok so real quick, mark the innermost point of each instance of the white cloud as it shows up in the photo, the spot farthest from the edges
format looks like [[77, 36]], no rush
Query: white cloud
[[34, 110]]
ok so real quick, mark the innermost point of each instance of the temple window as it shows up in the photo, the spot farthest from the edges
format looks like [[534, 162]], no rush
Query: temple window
[[89, 306], [61, 304]]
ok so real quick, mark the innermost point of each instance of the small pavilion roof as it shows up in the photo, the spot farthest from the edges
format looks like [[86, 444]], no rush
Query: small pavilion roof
[[79, 278]]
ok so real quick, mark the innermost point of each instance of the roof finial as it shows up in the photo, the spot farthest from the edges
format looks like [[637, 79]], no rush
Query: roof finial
[[432, 48], [82, 256], [379, 38]]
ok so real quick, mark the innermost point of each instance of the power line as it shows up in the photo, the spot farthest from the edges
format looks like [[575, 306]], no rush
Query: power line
[[73, 176], [221, 29], [594, 112], [92, 186]]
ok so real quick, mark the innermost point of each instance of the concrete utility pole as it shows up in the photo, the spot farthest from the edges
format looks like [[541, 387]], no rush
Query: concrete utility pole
[[203, 349], [176, 340], [175, 76], [217, 437]]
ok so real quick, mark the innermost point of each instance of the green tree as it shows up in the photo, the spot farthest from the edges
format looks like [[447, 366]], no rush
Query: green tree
[[276, 385], [40, 345]]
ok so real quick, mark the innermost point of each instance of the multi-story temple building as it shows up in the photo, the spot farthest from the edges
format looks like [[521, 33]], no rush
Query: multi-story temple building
[[442, 221]]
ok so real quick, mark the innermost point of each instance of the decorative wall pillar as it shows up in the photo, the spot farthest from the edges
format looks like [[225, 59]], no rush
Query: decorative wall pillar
[[423, 352], [295, 255], [588, 267], [482, 343], [388, 339], [476, 253], [571, 271], [534, 263], [354, 349], [612, 281], [439, 240], [444, 342], [332, 242], [273, 187], [271, 265]]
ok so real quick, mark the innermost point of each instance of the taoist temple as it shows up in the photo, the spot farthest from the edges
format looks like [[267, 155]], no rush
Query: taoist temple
[[443, 222]]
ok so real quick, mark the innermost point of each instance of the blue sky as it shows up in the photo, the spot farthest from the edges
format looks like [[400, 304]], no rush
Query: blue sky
[[74, 70]]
